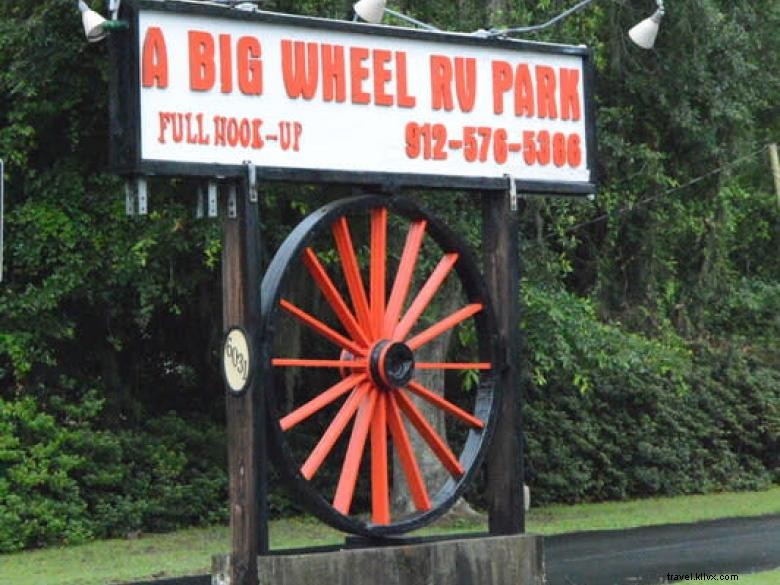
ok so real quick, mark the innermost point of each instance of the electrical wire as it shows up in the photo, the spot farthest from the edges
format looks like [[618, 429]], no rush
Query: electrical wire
[[645, 201]]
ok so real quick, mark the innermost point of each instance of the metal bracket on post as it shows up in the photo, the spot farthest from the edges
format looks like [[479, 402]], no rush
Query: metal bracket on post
[[512, 193], [251, 177], [232, 201], [213, 210], [200, 203], [113, 8], [129, 198], [136, 196], [142, 191]]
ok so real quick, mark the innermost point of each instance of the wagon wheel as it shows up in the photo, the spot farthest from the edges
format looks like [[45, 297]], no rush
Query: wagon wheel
[[361, 337]]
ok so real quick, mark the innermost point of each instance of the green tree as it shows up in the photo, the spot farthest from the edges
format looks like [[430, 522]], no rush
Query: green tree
[[671, 281]]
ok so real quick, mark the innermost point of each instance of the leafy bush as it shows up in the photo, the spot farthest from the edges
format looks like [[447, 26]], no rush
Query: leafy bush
[[64, 480], [610, 414], [750, 312]]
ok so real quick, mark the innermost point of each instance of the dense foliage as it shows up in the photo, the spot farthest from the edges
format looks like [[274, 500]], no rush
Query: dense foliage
[[651, 316], [612, 414]]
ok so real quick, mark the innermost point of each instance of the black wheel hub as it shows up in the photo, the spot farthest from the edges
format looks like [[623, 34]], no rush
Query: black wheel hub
[[391, 364]]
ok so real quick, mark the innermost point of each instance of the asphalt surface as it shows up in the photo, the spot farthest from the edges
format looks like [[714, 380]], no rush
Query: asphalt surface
[[643, 556], [648, 555]]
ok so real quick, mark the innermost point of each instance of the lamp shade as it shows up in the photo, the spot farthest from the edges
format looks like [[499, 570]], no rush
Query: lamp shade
[[644, 33], [93, 23], [370, 10]]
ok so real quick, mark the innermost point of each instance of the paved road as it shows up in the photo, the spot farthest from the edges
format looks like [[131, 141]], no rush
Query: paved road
[[646, 555]]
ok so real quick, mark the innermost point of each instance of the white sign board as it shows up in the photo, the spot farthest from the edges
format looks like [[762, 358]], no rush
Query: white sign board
[[224, 87]]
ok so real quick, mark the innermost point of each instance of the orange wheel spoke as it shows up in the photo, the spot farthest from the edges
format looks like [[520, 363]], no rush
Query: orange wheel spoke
[[444, 325], [380, 493], [351, 269], [333, 297], [321, 401], [406, 454], [452, 366], [298, 363], [403, 278], [321, 328], [425, 296], [427, 432], [352, 460], [378, 268], [444, 404], [333, 432]]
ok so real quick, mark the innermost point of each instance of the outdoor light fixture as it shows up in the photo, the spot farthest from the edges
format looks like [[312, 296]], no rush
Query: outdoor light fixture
[[94, 24], [644, 33], [96, 28], [373, 10]]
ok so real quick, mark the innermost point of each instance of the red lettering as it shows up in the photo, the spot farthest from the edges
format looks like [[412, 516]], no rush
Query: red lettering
[[165, 119], [357, 55], [402, 87], [297, 132], [466, 82], [226, 63], [545, 92], [183, 126], [257, 138], [191, 138], [202, 137], [301, 69], [232, 132], [202, 69], [334, 82], [245, 132], [381, 76], [250, 68], [219, 130], [502, 82], [177, 127], [441, 83], [524, 92], [235, 132], [570, 94], [155, 60]]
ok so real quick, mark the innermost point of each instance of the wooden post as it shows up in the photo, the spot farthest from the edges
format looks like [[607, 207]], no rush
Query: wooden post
[[245, 412], [505, 469]]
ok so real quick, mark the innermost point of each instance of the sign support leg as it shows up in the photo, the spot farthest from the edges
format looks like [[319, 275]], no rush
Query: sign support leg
[[505, 469], [245, 412]]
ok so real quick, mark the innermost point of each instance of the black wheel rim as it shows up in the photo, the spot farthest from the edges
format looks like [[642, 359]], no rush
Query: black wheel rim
[[275, 315]]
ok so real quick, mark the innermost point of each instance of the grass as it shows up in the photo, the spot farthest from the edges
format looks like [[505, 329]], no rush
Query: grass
[[765, 578], [189, 551], [648, 512]]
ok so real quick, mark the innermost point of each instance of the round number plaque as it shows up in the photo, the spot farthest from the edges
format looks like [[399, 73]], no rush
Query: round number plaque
[[236, 361]]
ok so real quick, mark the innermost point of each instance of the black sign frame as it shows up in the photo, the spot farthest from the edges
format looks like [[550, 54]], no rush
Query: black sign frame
[[125, 106]]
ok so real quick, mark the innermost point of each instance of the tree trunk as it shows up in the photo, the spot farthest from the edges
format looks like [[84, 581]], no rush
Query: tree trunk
[[431, 468]]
